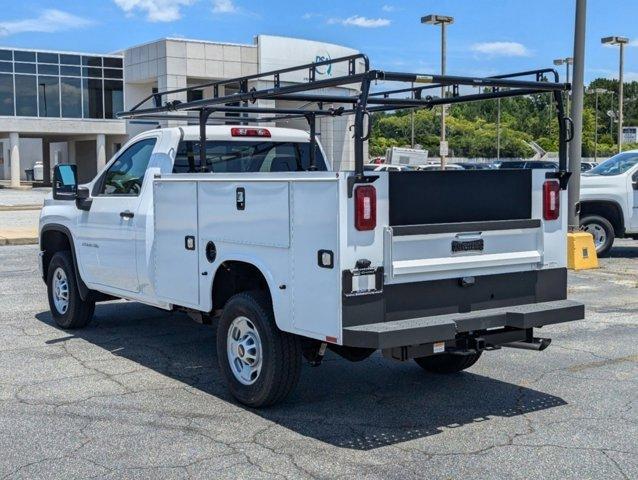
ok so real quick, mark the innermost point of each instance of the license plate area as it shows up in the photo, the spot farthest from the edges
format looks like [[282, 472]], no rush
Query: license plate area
[[365, 281]]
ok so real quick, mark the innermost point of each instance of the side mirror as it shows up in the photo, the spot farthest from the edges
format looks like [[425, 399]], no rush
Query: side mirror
[[634, 183], [65, 184]]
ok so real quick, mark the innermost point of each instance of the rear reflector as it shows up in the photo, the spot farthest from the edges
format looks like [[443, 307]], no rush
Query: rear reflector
[[365, 208], [250, 132], [551, 200]]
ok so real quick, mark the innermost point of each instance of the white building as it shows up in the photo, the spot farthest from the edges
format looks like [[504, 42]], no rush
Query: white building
[[59, 107]]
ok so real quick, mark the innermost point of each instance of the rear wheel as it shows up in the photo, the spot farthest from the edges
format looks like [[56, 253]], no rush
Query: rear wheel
[[67, 307], [602, 231], [447, 362], [260, 363]]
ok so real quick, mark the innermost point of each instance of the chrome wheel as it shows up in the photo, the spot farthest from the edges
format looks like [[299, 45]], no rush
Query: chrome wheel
[[599, 234], [243, 347], [60, 291]]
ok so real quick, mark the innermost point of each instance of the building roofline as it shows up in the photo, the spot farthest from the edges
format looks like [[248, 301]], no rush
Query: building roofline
[[191, 40], [64, 52]]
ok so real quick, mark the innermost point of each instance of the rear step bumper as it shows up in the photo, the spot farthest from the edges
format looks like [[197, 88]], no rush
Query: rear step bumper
[[442, 328]]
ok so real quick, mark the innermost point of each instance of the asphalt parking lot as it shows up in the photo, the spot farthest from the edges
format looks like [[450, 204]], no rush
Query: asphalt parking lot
[[138, 395]]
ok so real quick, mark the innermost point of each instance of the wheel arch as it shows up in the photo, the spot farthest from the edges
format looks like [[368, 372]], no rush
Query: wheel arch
[[55, 238], [238, 274], [608, 209]]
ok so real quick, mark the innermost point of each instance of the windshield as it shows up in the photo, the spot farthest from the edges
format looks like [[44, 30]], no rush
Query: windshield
[[616, 165]]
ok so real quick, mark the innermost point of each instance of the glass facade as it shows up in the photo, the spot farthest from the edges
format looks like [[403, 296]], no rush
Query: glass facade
[[60, 85]]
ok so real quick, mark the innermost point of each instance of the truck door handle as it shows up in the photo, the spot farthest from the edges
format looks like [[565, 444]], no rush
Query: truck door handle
[[127, 214]]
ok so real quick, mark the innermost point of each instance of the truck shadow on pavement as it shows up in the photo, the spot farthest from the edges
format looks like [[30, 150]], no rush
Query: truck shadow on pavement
[[360, 406]]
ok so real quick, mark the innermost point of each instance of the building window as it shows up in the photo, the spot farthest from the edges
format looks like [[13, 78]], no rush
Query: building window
[[26, 96], [193, 95], [93, 98], [71, 97], [49, 96], [6, 95], [70, 59], [63, 85], [48, 57], [25, 67], [22, 56], [113, 98]]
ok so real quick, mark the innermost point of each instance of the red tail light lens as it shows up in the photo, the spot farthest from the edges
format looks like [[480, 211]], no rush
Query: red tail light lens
[[551, 200], [250, 132], [365, 203]]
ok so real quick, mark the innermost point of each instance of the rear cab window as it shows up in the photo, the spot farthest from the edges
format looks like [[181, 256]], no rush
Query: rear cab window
[[246, 156]]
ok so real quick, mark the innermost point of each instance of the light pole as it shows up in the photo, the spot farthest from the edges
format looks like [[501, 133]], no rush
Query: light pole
[[442, 20], [567, 62], [498, 130], [620, 41], [596, 91], [576, 113]]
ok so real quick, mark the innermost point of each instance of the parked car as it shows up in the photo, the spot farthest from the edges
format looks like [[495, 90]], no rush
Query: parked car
[[250, 228], [529, 164], [474, 166], [609, 200], [587, 166], [437, 166], [391, 168]]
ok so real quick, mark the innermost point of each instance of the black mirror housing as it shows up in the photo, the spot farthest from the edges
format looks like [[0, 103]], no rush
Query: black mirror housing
[[65, 183]]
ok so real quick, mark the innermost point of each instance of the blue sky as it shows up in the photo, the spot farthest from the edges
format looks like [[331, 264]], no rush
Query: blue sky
[[488, 37]]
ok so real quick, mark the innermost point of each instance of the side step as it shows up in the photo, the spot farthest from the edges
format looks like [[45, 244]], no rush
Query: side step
[[439, 328]]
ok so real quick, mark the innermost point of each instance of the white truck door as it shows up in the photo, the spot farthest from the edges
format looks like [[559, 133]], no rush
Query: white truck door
[[176, 246], [106, 233]]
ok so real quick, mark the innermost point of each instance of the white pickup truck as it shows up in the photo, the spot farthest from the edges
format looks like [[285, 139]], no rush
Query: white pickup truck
[[250, 227], [609, 200]]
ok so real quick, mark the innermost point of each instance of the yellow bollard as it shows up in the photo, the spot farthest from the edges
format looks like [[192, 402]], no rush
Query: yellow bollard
[[581, 252]]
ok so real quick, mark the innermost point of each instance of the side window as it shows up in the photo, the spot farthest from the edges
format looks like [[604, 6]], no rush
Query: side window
[[126, 175]]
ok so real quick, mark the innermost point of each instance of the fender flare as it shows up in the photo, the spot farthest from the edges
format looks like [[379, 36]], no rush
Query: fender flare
[[56, 227]]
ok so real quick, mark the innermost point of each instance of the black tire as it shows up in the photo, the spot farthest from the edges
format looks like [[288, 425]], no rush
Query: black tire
[[447, 362], [596, 221], [78, 313], [280, 352]]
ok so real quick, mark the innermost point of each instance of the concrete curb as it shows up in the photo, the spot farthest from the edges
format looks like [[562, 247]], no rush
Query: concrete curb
[[13, 208], [18, 241]]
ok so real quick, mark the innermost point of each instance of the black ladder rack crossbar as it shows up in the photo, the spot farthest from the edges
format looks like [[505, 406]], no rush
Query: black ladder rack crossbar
[[360, 102]]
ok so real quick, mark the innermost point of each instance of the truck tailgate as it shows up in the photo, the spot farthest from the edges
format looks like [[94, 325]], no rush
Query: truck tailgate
[[446, 224]]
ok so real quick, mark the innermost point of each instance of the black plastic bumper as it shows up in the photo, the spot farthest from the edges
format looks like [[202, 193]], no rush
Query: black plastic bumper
[[447, 327]]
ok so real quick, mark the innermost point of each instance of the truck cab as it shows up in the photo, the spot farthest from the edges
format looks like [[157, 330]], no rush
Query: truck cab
[[609, 200]]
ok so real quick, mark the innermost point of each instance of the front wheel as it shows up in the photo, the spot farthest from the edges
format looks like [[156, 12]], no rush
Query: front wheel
[[447, 362], [602, 231], [260, 363], [67, 307]]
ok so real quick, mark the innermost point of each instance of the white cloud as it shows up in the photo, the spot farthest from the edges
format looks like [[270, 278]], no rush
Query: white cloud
[[634, 43], [224, 6], [359, 21], [388, 8], [49, 21], [155, 10], [501, 49]]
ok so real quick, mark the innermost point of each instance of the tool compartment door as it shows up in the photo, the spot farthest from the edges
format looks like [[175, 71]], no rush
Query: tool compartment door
[[176, 250]]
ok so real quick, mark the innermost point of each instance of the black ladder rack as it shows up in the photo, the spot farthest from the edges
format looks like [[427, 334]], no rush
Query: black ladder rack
[[356, 71]]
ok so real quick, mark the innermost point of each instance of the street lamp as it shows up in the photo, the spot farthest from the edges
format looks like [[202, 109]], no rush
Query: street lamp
[[443, 21], [567, 62], [596, 91], [620, 41]]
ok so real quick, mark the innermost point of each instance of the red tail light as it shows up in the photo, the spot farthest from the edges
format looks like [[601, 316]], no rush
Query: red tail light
[[551, 200], [250, 132], [365, 208]]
